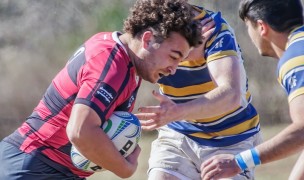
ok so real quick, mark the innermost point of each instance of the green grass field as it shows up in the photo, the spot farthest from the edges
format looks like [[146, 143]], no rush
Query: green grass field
[[273, 171]]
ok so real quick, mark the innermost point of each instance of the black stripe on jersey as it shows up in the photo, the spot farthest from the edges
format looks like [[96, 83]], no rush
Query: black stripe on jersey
[[75, 63], [127, 104], [122, 87], [50, 104], [101, 78], [54, 101], [105, 70], [92, 105], [66, 149]]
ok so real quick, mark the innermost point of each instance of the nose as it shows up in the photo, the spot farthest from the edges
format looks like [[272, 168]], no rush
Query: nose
[[173, 68]]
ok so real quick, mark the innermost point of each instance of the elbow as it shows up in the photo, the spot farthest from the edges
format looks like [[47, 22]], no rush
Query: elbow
[[78, 139], [73, 134], [235, 100], [125, 175], [124, 172]]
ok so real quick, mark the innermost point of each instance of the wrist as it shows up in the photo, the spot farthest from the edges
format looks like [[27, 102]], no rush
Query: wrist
[[127, 171], [182, 111], [248, 159]]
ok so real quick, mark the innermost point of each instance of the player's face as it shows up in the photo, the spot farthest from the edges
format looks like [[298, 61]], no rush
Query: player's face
[[162, 59], [263, 46]]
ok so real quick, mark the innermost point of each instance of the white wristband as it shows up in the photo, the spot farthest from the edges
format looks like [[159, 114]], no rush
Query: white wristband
[[248, 159]]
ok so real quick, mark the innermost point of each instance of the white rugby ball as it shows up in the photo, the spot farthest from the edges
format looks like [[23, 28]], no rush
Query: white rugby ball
[[123, 128]]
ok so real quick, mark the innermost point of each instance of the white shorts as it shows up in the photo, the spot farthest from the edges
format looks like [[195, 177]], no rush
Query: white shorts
[[176, 154]]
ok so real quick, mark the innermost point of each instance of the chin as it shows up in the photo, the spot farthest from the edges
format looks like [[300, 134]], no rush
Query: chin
[[265, 54], [154, 81], [262, 53], [151, 80]]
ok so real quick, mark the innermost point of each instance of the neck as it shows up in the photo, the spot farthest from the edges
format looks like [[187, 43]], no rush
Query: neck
[[278, 43], [130, 44]]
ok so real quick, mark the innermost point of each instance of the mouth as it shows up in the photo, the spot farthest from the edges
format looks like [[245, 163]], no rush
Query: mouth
[[161, 75]]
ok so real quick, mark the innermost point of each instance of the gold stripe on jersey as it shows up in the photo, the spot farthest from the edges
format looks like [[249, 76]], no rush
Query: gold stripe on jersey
[[216, 118], [296, 93], [200, 16], [295, 29], [290, 64], [189, 90], [251, 123], [294, 37], [208, 44], [221, 54], [202, 12], [224, 27], [193, 63]]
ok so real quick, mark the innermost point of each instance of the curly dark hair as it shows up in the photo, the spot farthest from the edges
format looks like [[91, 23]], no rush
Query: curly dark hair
[[163, 17]]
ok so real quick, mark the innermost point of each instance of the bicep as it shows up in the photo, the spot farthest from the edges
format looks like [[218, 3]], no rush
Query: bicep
[[101, 86], [296, 109], [82, 118], [225, 71]]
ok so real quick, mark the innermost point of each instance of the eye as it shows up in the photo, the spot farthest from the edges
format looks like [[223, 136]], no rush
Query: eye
[[174, 58]]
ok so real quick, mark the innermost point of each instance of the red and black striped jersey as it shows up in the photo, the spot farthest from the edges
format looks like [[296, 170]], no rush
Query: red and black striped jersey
[[100, 75]]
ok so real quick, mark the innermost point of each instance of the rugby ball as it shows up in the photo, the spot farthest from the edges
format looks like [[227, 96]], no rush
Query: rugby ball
[[123, 128]]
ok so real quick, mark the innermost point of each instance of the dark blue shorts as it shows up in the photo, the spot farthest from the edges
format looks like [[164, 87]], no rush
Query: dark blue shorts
[[15, 164]]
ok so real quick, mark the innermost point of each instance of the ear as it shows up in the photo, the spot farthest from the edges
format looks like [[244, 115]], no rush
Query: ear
[[263, 28], [147, 39]]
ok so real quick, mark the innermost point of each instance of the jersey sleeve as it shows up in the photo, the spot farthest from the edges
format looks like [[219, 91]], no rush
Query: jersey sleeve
[[99, 82], [291, 70], [222, 42]]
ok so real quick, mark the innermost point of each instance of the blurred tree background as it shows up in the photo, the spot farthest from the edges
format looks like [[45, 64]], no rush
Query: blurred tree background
[[37, 37]]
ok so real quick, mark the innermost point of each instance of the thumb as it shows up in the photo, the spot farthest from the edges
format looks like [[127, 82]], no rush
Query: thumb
[[159, 97]]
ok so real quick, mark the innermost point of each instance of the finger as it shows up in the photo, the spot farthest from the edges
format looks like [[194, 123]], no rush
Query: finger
[[159, 97], [205, 21], [147, 122], [145, 116], [137, 150], [149, 128], [206, 163], [208, 26], [207, 167], [209, 32], [149, 109], [206, 35], [213, 174]]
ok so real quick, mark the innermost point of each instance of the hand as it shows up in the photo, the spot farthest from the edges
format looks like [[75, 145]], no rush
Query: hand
[[152, 117], [219, 166], [208, 26], [133, 159]]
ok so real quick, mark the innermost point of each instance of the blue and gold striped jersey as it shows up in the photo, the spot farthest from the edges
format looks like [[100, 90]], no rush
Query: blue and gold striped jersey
[[290, 70], [192, 80]]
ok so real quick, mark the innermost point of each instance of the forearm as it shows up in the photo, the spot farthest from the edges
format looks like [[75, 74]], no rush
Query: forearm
[[216, 102], [286, 143], [95, 145], [225, 73], [85, 134]]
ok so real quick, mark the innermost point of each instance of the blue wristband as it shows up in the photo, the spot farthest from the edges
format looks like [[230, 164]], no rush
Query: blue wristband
[[248, 159], [240, 162], [255, 156]]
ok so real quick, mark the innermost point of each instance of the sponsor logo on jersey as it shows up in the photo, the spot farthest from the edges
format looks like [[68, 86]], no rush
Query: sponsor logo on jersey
[[293, 81], [219, 44], [131, 100], [105, 93]]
